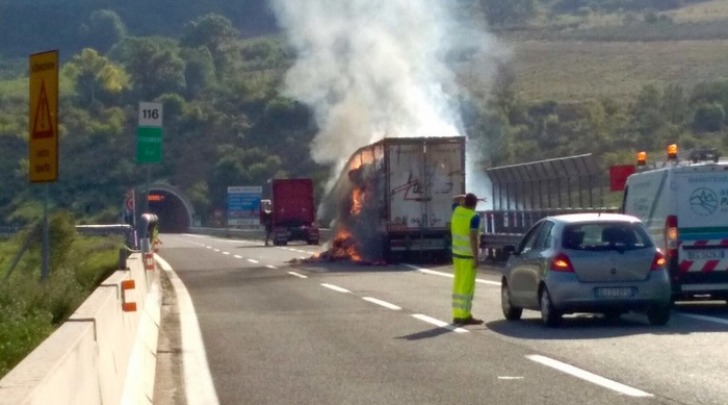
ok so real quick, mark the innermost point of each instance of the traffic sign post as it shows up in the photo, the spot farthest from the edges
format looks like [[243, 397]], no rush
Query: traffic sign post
[[149, 139], [43, 135], [149, 133], [43, 119]]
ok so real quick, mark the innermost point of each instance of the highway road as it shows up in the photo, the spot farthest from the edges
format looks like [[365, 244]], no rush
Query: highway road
[[279, 331]]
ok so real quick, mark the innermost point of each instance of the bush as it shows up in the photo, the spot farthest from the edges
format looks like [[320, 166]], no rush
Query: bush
[[30, 309]]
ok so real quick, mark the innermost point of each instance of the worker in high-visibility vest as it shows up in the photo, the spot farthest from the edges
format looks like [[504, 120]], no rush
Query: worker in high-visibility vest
[[465, 230]]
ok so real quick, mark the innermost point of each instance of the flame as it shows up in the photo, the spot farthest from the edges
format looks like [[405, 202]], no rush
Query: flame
[[357, 201], [344, 246], [364, 157]]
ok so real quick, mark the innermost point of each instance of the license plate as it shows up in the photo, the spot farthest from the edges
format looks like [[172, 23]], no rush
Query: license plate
[[615, 292], [706, 254]]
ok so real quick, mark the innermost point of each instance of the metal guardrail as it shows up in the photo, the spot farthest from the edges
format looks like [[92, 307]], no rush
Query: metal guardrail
[[503, 227]]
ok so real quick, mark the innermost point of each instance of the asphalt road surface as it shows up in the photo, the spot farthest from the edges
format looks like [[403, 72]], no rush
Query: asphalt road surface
[[275, 329]]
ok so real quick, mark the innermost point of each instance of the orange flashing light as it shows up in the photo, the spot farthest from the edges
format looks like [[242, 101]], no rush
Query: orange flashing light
[[641, 158], [672, 151]]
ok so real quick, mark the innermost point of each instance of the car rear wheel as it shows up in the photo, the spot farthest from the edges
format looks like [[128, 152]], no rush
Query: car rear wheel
[[658, 315], [551, 316], [509, 311]]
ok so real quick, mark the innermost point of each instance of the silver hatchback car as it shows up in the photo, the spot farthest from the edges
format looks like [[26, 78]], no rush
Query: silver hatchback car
[[601, 263]]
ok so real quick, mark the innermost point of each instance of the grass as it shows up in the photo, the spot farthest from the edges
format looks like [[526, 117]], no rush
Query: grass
[[571, 58], [701, 12], [576, 70], [30, 310]]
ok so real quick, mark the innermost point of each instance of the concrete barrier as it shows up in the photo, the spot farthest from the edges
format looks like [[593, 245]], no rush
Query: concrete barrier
[[101, 355]]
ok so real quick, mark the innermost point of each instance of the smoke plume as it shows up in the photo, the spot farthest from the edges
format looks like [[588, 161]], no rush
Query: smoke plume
[[381, 68]]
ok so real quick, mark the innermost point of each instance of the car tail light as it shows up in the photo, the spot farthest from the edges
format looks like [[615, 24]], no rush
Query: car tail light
[[562, 264], [658, 263], [671, 236]]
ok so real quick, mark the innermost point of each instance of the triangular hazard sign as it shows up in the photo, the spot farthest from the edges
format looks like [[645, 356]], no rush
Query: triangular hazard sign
[[42, 127]]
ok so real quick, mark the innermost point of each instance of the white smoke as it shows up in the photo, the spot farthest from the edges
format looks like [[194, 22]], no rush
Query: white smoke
[[380, 68]]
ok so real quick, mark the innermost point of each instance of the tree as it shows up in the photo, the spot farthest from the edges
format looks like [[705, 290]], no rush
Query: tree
[[154, 65], [95, 76], [199, 69], [103, 29], [709, 117], [217, 34]]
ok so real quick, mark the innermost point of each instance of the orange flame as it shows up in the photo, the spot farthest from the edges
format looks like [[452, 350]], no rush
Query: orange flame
[[344, 247], [357, 201], [364, 157]]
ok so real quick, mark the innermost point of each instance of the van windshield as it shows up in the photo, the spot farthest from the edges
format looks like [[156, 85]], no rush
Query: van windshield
[[599, 236]]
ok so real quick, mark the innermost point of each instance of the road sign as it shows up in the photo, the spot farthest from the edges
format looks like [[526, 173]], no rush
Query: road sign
[[244, 205], [149, 145], [43, 117], [149, 133], [150, 114]]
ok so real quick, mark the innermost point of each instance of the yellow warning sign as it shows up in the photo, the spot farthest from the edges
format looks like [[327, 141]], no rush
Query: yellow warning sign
[[43, 120]]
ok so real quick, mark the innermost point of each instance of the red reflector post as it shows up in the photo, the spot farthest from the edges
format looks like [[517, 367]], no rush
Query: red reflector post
[[127, 306]]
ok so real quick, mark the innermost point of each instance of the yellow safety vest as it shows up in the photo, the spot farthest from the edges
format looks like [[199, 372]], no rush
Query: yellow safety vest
[[460, 228]]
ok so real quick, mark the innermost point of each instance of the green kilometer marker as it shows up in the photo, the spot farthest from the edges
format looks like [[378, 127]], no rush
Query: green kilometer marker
[[149, 145]]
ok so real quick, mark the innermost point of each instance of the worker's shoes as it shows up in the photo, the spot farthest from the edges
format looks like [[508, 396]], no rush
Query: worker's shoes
[[466, 321]]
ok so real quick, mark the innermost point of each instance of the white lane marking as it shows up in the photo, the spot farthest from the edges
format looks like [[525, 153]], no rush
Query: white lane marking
[[237, 256], [293, 273], [706, 318], [335, 288], [226, 253], [507, 377], [253, 261], [199, 388], [271, 266], [385, 304], [215, 250], [587, 376], [443, 274], [439, 323], [208, 247]]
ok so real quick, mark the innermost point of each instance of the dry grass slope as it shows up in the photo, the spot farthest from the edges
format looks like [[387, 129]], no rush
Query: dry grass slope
[[612, 60]]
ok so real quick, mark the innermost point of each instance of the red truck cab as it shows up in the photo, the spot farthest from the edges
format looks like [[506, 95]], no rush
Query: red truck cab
[[292, 211]]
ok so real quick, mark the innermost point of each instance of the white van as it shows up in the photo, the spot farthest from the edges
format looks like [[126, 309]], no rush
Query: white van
[[684, 204]]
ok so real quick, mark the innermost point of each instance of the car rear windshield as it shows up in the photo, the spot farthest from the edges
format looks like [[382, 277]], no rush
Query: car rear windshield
[[606, 236]]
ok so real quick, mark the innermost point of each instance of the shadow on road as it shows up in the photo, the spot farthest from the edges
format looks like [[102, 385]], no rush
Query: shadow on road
[[713, 317]]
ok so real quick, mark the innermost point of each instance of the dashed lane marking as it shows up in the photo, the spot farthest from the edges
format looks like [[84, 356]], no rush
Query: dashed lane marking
[[385, 304], [439, 323], [253, 261], [293, 273], [443, 274], [335, 288], [587, 376]]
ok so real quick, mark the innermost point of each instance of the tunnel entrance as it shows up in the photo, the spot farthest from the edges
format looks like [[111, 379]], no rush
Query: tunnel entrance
[[171, 208]]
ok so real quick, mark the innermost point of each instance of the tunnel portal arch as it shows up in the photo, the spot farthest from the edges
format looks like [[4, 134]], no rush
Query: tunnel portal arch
[[171, 205]]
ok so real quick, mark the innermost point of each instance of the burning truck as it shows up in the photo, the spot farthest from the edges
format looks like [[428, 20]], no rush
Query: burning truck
[[393, 200]]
